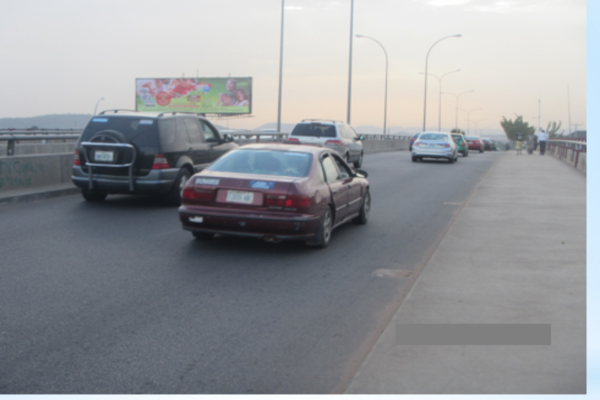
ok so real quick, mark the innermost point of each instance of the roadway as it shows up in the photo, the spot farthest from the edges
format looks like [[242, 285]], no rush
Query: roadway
[[116, 298]]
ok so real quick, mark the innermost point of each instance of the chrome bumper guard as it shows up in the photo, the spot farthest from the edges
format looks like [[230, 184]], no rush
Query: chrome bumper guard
[[85, 146]]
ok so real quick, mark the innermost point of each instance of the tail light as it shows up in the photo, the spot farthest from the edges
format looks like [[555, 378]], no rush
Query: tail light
[[76, 160], [160, 162], [294, 201], [417, 144], [445, 145], [196, 193], [291, 201], [292, 140], [334, 143]]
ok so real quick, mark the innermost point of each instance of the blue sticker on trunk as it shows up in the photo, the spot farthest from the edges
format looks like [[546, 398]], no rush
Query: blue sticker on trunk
[[262, 185]]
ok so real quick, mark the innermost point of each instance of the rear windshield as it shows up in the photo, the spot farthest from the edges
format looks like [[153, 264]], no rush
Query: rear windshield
[[138, 130], [317, 130], [267, 162], [433, 136], [457, 138]]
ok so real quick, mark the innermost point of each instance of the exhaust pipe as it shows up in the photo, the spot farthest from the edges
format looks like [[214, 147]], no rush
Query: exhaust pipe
[[271, 239]]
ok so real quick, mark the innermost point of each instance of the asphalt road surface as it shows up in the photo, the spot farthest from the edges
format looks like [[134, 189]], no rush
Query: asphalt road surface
[[116, 298]]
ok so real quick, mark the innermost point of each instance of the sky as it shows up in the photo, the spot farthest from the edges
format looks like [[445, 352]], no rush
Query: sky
[[518, 57]]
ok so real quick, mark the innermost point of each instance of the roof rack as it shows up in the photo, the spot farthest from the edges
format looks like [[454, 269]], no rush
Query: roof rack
[[319, 120], [179, 112], [116, 111]]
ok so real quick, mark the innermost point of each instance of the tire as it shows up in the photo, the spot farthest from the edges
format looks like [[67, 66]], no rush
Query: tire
[[93, 196], [365, 210], [465, 153], [174, 195], [451, 160], [347, 158], [203, 235], [108, 135], [323, 236], [481, 150], [414, 159], [358, 163]]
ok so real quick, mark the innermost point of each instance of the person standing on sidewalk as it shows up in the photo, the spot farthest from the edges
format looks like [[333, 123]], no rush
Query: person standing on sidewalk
[[519, 142], [542, 137]]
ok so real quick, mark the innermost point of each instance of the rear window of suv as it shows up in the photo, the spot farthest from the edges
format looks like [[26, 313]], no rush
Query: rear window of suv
[[138, 130], [315, 130]]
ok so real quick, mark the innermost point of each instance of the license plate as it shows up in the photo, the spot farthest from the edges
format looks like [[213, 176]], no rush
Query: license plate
[[431, 145], [106, 156], [234, 196]]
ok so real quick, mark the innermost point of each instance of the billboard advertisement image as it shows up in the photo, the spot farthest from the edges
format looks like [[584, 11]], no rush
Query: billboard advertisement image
[[198, 95]]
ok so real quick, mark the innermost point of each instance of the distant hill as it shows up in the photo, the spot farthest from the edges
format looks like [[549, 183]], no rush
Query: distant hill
[[52, 121]]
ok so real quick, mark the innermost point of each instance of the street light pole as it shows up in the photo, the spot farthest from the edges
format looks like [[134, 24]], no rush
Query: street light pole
[[386, 80], [426, 62], [350, 62], [469, 117], [478, 121], [440, 96], [98, 102], [280, 68], [457, 97]]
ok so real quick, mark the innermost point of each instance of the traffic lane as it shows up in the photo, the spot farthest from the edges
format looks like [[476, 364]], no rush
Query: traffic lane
[[120, 300]]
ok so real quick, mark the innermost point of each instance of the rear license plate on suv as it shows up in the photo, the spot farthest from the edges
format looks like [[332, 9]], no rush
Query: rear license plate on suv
[[106, 156], [235, 196]]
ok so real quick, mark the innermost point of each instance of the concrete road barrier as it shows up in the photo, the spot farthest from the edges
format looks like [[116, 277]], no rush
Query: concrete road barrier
[[24, 172]]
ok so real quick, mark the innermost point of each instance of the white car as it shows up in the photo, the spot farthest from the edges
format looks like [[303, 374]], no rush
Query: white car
[[435, 145], [336, 135]]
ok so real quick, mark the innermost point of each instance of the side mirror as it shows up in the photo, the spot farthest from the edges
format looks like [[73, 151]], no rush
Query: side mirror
[[361, 173], [227, 138], [359, 137]]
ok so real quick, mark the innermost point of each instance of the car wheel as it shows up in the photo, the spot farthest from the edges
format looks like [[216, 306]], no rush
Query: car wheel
[[323, 236], [358, 163], [203, 235], [465, 153], [481, 150], [451, 160], [174, 195], [365, 209], [347, 158], [92, 195], [414, 159]]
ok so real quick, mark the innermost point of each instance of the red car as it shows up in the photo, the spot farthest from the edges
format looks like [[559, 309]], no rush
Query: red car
[[275, 191], [475, 143]]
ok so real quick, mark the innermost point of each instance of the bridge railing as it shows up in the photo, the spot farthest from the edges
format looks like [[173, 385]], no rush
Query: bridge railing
[[573, 151]]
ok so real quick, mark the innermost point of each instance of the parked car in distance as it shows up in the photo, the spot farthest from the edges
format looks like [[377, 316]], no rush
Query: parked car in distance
[[128, 152], [461, 143], [412, 141], [487, 144], [276, 192], [435, 145], [475, 143], [336, 135]]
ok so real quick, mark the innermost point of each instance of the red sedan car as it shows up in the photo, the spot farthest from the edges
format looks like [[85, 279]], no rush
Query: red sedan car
[[475, 143], [275, 192]]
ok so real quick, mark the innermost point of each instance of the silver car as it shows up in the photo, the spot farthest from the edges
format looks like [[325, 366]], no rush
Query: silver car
[[336, 135], [435, 145]]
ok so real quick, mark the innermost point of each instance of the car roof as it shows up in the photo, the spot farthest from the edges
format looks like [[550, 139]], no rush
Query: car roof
[[321, 121], [285, 147], [146, 114]]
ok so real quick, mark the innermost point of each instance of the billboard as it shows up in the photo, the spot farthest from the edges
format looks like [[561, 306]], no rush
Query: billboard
[[198, 95]]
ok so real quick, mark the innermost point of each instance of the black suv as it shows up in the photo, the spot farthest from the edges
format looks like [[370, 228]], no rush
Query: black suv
[[128, 152]]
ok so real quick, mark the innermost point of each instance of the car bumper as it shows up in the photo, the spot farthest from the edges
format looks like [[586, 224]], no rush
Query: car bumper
[[427, 153], [280, 225], [156, 182]]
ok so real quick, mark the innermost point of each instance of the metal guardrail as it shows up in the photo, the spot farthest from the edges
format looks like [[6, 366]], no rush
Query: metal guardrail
[[13, 136], [565, 149]]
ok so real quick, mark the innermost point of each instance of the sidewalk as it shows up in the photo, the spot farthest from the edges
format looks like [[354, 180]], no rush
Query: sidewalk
[[516, 254], [37, 193]]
